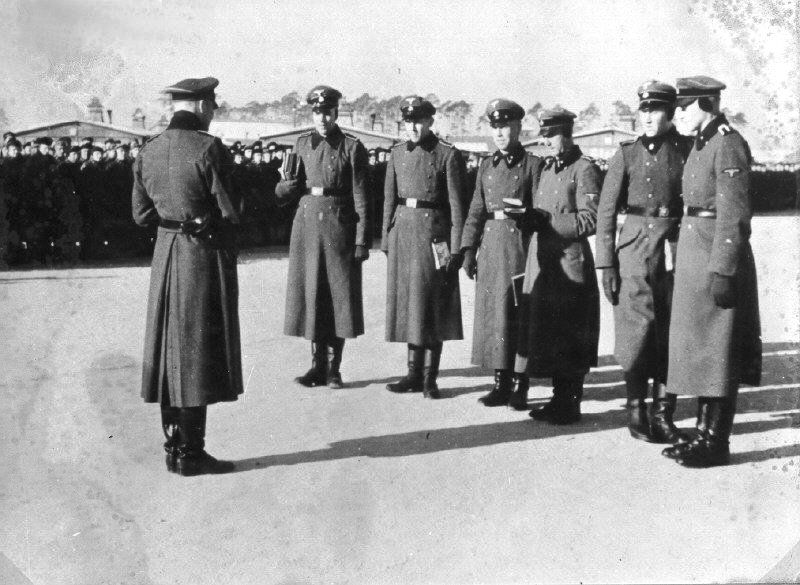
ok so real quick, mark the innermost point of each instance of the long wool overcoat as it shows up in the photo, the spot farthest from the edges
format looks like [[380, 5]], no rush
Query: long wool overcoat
[[423, 304], [560, 312], [192, 353], [323, 287], [712, 350], [502, 250], [642, 188]]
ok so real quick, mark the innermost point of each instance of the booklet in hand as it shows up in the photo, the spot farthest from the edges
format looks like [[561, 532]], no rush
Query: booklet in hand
[[441, 254], [291, 166], [513, 206]]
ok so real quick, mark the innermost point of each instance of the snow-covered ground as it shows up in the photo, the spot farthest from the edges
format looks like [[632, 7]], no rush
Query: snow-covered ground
[[360, 485]]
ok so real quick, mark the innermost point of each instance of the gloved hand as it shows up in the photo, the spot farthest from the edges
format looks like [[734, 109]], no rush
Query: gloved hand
[[470, 263], [286, 191], [455, 262], [611, 284], [361, 253], [531, 220], [723, 288]]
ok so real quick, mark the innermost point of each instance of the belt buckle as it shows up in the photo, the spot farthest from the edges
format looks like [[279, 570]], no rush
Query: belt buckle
[[317, 191], [663, 211], [412, 203]]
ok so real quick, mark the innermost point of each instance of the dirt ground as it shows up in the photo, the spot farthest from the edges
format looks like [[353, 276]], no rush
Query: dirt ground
[[360, 485]]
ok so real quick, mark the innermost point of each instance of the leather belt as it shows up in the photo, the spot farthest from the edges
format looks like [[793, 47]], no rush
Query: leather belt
[[418, 203], [324, 192], [700, 212], [498, 215], [660, 211], [170, 224]]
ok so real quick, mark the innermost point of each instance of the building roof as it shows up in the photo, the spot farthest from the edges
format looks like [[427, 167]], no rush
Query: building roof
[[587, 133], [99, 125]]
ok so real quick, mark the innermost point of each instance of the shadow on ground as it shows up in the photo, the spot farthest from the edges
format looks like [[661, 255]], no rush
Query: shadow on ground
[[779, 395]]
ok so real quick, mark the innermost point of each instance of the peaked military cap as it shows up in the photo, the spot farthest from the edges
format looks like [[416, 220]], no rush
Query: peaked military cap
[[691, 88], [8, 135], [372, 152], [272, 146], [415, 107], [15, 142], [257, 149], [323, 97], [193, 89], [235, 150], [87, 140], [97, 149], [551, 122], [75, 149], [43, 140], [656, 93], [501, 110]]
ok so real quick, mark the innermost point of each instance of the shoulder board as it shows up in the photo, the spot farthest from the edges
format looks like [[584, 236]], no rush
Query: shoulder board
[[206, 133], [447, 144], [351, 136], [589, 158], [306, 133], [628, 142], [399, 144], [724, 129], [150, 138]]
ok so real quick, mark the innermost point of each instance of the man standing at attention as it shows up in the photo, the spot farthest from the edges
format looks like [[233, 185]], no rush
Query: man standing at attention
[[423, 217], [192, 353], [328, 243], [715, 336], [501, 249], [643, 185], [560, 311]]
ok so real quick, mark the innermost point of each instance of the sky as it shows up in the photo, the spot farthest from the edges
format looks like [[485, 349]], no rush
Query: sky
[[568, 52]]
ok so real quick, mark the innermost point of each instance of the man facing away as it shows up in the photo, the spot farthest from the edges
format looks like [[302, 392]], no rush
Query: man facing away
[[192, 354]]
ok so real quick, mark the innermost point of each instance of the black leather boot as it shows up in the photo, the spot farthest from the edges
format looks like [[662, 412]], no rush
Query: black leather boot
[[335, 361], [519, 393], [714, 449], [501, 392], [192, 458], [413, 380], [678, 449], [169, 424], [318, 374], [636, 388], [572, 413], [662, 427], [564, 407], [430, 372]]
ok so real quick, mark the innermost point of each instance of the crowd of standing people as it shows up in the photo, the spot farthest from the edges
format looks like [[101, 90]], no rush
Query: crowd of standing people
[[673, 225]]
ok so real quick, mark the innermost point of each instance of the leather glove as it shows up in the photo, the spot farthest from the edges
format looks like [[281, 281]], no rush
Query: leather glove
[[470, 263], [723, 288], [455, 262], [361, 253], [532, 220], [611, 284], [285, 191]]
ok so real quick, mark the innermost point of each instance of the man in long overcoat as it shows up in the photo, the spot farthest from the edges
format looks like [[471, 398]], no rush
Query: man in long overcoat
[[643, 189], [192, 353], [424, 209], [328, 243], [496, 249], [715, 336], [560, 321]]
